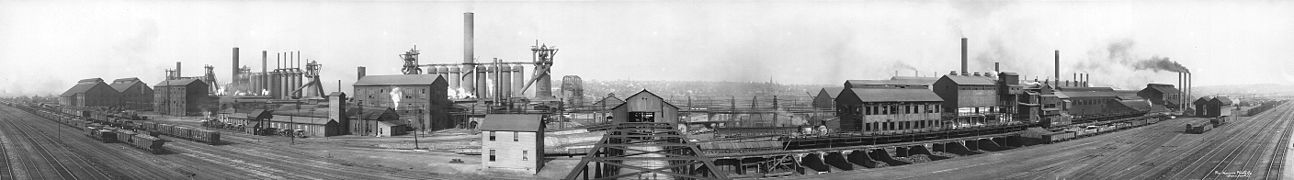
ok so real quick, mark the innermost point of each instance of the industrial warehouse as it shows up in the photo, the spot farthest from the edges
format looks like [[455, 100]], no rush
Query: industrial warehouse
[[387, 108]]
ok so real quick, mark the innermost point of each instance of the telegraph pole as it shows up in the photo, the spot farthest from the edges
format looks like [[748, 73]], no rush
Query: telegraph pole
[[415, 132]]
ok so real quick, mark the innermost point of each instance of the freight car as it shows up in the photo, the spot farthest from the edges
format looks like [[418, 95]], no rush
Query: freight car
[[1218, 121], [199, 135], [147, 143], [1198, 128], [101, 134]]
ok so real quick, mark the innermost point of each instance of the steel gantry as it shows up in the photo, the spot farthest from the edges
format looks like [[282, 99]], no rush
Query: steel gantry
[[645, 150]]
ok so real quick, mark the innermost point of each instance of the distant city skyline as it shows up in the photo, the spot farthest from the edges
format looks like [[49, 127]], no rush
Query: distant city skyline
[[50, 45]]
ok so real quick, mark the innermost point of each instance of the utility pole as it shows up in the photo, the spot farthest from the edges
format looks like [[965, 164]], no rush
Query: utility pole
[[415, 132]]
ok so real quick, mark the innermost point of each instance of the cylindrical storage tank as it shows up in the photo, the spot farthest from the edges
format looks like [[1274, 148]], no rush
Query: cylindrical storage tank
[[518, 80], [469, 80], [482, 90], [453, 79], [433, 70], [505, 81], [443, 72], [491, 81]]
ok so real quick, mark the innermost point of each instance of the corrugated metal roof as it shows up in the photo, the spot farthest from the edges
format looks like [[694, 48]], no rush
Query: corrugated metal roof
[[79, 88], [122, 86], [1127, 94], [512, 122], [971, 80], [412, 79], [1139, 105], [178, 82], [1083, 94], [1162, 88], [301, 119], [895, 95]]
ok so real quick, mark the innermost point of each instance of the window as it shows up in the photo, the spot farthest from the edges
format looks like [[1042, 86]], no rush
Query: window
[[525, 155], [491, 138], [491, 155], [514, 136]]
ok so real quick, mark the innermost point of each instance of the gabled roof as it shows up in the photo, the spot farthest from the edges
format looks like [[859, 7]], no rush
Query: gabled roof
[[179, 82], [411, 79], [913, 80], [895, 95], [122, 85], [90, 80], [1223, 100], [832, 92], [513, 122], [80, 88], [1162, 88], [1127, 94], [611, 98], [1202, 100], [971, 80], [645, 92], [260, 113]]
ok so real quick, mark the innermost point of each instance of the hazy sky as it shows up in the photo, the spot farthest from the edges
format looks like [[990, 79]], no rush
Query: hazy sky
[[46, 47]]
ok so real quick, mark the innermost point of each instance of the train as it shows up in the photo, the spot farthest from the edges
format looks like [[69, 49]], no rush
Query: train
[[110, 135]]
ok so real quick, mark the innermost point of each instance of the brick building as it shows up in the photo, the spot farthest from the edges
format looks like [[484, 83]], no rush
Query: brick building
[[423, 98], [180, 97]]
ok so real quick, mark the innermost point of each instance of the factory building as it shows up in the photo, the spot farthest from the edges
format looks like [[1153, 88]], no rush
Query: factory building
[[180, 97], [1089, 102], [311, 125], [888, 110], [826, 98], [645, 106], [972, 99], [1039, 104], [418, 98], [135, 94], [1162, 94], [513, 142], [90, 92], [903, 82]]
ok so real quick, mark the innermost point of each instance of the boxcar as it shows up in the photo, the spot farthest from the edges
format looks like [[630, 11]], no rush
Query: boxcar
[[183, 132], [209, 137], [147, 143], [124, 135], [105, 135], [165, 129]]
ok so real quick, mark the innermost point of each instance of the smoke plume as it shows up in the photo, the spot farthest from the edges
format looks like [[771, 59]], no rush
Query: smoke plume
[[1157, 64]]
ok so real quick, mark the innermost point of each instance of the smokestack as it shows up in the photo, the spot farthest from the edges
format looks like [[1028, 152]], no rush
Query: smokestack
[[997, 67], [264, 74], [1057, 65], [468, 44], [360, 73], [234, 75], [964, 70], [1181, 96], [177, 70]]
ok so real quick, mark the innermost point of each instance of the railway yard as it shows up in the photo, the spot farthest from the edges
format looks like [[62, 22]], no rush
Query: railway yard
[[1248, 148], [42, 149]]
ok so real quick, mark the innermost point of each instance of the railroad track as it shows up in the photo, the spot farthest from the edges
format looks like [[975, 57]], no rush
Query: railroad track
[[1200, 162], [1276, 165], [43, 151], [1179, 161], [1241, 149]]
